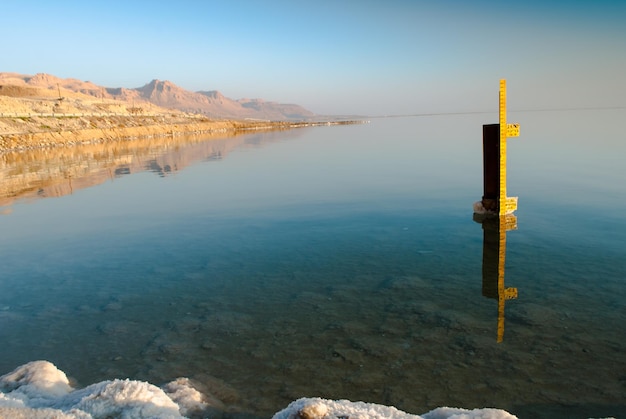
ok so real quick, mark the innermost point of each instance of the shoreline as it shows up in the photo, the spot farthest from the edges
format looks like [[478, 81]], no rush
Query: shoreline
[[129, 128], [40, 389]]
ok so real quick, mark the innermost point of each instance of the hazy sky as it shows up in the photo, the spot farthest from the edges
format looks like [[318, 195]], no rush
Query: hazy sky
[[339, 57]]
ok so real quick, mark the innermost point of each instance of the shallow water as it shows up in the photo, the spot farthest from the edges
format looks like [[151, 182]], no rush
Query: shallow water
[[340, 262]]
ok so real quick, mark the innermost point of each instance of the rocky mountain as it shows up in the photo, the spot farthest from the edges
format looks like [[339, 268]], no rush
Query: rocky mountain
[[214, 104], [165, 94]]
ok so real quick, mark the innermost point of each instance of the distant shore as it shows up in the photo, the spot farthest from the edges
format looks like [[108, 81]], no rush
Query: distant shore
[[36, 132], [44, 111]]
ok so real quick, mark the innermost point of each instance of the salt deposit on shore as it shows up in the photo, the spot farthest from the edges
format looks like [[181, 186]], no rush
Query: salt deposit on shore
[[40, 390]]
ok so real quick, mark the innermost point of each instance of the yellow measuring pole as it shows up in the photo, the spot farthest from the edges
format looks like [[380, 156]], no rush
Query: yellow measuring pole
[[506, 204], [502, 121]]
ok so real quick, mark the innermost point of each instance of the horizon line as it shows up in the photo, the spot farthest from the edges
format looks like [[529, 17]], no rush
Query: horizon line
[[599, 108]]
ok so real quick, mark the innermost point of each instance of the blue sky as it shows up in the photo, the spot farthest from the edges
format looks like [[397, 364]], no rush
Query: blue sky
[[334, 57]]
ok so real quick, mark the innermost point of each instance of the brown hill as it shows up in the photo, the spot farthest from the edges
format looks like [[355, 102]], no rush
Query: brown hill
[[161, 93], [214, 104], [168, 95]]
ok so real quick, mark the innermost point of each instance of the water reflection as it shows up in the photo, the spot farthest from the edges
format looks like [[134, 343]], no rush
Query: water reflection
[[494, 255], [56, 172]]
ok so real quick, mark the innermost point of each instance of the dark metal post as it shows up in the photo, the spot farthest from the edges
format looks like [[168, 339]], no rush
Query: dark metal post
[[491, 167]]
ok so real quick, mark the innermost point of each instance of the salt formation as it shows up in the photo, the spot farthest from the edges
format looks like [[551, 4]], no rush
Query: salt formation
[[479, 209], [39, 390], [316, 408]]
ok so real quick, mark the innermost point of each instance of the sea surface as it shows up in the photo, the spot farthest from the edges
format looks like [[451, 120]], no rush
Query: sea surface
[[342, 262]]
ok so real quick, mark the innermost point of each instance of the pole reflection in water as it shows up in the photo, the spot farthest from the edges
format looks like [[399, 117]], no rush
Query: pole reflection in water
[[494, 255]]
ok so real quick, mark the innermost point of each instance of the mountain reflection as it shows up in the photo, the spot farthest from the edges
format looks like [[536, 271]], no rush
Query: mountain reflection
[[56, 172], [494, 255]]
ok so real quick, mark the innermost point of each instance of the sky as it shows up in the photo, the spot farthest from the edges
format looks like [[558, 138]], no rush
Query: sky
[[365, 57]]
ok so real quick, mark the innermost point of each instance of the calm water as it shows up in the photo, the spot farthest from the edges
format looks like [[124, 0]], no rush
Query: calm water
[[340, 262]]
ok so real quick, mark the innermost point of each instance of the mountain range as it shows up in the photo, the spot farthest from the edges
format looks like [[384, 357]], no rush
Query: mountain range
[[167, 95]]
